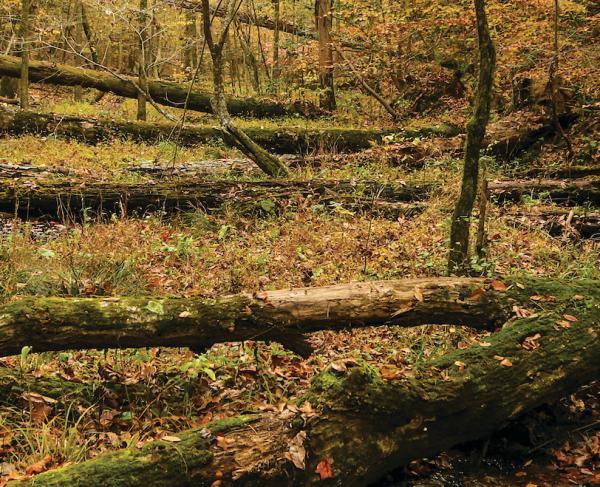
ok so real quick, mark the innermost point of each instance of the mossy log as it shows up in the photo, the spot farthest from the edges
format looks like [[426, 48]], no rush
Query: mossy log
[[290, 140], [163, 92], [561, 191], [72, 199], [363, 425], [285, 316]]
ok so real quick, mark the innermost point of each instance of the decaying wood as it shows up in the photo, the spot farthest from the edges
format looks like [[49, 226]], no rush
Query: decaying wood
[[360, 426], [577, 223], [289, 140], [70, 199], [562, 191], [284, 316], [162, 92]]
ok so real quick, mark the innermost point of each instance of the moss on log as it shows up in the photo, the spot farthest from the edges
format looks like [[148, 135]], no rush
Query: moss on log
[[283, 316], [162, 92], [71, 199], [366, 425], [290, 140], [562, 191]]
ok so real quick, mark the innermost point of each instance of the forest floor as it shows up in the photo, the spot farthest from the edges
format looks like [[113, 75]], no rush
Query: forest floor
[[128, 397]]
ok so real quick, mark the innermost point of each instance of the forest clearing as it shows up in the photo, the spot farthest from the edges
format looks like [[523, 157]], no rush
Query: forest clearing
[[291, 242]]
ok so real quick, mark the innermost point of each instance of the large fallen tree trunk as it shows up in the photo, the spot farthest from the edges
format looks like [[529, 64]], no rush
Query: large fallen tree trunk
[[359, 426], [563, 191], [284, 316], [290, 140], [162, 92], [69, 200]]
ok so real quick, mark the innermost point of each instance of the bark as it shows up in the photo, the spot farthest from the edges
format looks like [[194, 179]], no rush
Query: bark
[[163, 92], [458, 260], [323, 23], [24, 63], [561, 191], [366, 425], [70, 200], [290, 140], [190, 52], [75, 323]]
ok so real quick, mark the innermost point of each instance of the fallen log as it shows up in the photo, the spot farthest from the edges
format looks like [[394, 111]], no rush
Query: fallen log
[[290, 140], [519, 140], [359, 426], [565, 172], [163, 92], [576, 223], [561, 191], [69, 200], [283, 316]]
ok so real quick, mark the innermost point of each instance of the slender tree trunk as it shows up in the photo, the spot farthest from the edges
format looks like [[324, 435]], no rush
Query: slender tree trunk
[[78, 43], [85, 23], [461, 219], [142, 64], [555, 82], [323, 22], [190, 52], [267, 162], [24, 79], [275, 67]]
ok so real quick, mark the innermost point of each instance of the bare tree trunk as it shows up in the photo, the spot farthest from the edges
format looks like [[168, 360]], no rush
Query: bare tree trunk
[[190, 54], [555, 81], [461, 219], [275, 66], [78, 90], [270, 164], [323, 22], [142, 64], [24, 79]]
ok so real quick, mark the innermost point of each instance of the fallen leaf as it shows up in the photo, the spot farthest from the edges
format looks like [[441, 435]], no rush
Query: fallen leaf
[[563, 324], [40, 466], [324, 469], [477, 293], [499, 286], [461, 365], [485, 344], [570, 318], [520, 286], [222, 442], [297, 453], [498, 357], [171, 439], [532, 342], [506, 363], [185, 314]]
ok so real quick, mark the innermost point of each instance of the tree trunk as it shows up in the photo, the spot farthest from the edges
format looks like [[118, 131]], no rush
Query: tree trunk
[[267, 162], [142, 64], [69, 199], [359, 425], [290, 140], [163, 92], [323, 23], [458, 260], [24, 61], [78, 46], [190, 54], [284, 316], [275, 65], [562, 191]]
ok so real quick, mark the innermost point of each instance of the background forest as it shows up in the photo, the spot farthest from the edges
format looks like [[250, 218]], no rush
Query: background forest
[[158, 154]]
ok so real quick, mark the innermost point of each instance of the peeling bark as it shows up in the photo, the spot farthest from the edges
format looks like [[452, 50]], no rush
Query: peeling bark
[[365, 425]]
